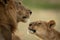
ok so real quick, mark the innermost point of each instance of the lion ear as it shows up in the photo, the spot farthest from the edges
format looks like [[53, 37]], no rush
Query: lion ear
[[51, 24], [4, 1]]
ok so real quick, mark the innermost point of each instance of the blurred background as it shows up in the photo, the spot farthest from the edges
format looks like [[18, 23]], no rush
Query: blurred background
[[42, 10]]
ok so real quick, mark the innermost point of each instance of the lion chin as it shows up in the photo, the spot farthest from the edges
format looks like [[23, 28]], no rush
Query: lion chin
[[25, 20]]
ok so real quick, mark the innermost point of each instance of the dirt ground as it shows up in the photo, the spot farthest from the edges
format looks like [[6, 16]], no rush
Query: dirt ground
[[38, 14]]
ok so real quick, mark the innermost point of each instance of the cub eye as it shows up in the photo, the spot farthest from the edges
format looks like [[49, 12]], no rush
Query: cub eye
[[39, 23]]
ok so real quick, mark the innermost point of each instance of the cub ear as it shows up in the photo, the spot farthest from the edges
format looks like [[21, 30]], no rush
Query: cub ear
[[51, 23]]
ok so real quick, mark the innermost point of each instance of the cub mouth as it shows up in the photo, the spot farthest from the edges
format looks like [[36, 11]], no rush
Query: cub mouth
[[32, 30]]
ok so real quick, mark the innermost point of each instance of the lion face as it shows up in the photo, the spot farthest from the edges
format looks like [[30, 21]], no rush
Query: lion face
[[41, 28], [23, 13]]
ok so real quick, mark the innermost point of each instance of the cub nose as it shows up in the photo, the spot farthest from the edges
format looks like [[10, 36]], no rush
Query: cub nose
[[30, 24]]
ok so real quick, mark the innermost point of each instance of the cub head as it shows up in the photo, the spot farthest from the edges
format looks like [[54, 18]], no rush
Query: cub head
[[41, 28], [22, 13]]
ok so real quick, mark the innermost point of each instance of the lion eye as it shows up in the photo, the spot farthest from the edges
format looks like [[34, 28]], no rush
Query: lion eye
[[20, 3]]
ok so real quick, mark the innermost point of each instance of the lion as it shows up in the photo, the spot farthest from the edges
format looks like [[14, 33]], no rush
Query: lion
[[22, 16], [11, 12], [44, 30]]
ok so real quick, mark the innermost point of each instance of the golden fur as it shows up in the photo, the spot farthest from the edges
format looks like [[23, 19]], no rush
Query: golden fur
[[7, 18], [10, 14], [45, 30]]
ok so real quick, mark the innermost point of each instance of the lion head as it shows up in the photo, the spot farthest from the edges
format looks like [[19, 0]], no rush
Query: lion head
[[22, 12]]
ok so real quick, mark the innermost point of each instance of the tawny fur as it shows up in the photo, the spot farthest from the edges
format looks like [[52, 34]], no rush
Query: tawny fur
[[8, 19], [45, 30], [10, 16]]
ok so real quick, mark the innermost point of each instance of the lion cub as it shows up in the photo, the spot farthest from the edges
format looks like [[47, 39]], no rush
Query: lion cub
[[44, 30]]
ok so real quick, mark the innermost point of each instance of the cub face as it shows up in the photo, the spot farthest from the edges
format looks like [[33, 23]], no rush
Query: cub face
[[41, 28]]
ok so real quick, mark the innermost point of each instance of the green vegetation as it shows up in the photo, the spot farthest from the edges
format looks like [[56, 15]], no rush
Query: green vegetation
[[40, 4]]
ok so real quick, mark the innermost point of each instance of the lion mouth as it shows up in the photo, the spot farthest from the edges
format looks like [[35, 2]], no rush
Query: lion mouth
[[25, 18]]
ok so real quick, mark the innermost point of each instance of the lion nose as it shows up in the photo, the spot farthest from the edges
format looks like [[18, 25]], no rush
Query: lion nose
[[30, 12]]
